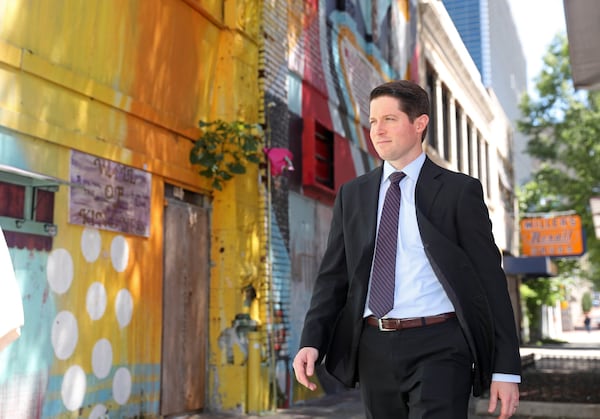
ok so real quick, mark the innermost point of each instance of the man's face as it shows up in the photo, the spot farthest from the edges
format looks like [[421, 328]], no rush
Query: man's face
[[395, 138]]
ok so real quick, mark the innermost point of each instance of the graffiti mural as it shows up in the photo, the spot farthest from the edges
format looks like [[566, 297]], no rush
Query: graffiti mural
[[104, 80], [338, 51]]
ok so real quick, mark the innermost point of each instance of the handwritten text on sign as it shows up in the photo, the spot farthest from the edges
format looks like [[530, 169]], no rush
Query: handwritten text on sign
[[552, 236], [109, 195]]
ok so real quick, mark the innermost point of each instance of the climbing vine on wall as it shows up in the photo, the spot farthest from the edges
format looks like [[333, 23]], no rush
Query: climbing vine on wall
[[224, 149]]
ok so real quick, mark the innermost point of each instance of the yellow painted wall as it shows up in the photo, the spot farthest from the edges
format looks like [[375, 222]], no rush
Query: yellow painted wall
[[128, 81]]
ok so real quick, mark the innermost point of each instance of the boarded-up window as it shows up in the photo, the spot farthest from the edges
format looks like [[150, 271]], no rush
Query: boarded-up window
[[24, 203]]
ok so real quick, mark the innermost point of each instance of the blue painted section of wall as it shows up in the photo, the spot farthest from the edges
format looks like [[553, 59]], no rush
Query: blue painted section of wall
[[11, 153], [281, 280], [308, 238], [144, 399], [32, 353]]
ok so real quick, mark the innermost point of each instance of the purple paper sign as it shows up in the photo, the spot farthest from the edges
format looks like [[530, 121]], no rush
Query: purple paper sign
[[109, 195]]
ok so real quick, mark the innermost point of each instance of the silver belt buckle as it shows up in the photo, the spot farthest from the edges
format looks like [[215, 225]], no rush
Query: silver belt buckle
[[381, 328]]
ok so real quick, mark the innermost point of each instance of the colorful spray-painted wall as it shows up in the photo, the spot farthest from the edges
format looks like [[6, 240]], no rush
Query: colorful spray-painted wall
[[338, 51], [105, 90]]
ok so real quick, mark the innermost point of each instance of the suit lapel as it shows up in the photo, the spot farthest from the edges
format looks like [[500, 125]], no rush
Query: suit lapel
[[365, 201], [369, 191], [428, 186]]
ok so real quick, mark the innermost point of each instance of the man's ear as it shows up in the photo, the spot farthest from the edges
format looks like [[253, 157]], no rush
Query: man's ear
[[421, 122]]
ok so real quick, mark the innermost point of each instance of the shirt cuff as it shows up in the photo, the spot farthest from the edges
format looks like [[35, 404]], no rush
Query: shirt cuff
[[506, 378]]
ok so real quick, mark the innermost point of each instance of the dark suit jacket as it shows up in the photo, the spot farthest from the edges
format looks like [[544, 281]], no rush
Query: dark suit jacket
[[457, 237]]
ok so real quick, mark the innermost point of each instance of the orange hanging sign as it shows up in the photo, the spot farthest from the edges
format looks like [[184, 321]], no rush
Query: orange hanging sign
[[552, 236]]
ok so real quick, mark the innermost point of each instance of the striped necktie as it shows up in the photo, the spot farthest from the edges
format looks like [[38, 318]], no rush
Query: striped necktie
[[381, 297]]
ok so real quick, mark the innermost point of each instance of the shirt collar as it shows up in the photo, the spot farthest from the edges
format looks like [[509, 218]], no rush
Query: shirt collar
[[411, 170]]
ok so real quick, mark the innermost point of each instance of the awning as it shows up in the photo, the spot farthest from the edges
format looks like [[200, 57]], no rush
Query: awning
[[583, 32], [529, 266], [13, 174]]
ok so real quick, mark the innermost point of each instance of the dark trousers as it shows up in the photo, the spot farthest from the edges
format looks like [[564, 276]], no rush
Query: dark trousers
[[419, 373]]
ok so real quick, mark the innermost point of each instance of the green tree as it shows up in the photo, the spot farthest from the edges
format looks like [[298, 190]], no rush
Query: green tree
[[586, 302], [538, 292], [563, 126]]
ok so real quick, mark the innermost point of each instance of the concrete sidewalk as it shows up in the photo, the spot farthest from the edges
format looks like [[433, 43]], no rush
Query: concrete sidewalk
[[347, 405]]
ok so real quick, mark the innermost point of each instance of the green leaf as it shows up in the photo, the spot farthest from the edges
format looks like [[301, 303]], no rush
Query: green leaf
[[194, 159], [236, 168], [216, 184], [207, 173], [225, 175], [254, 158], [207, 160]]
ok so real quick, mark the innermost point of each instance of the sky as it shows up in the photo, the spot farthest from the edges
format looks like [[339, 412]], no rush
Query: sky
[[537, 22]]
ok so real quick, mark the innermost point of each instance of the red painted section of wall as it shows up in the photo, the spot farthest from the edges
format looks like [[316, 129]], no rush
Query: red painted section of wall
[[315, 109], [310, 186], [344, 164], [315, 106], [308, 150]]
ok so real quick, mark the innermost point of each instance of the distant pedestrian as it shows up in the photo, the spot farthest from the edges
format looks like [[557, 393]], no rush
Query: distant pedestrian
[[588, 323]]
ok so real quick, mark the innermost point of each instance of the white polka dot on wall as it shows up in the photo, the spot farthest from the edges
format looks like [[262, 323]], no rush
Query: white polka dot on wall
[[59, 270], [64, 334], [99, 412], [123, 307], [102, 358], [119, 253], [95, 301], [122, 385], [73, 387], [91, 244]]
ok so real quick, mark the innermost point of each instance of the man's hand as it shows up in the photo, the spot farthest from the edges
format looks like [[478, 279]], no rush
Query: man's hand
[[304, 366], [508, 394]]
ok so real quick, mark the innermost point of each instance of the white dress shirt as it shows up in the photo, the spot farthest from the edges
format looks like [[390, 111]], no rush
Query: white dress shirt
[[417, 291]]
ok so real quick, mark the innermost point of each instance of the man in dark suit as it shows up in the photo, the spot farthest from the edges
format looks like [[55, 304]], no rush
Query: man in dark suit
[[448, 327]]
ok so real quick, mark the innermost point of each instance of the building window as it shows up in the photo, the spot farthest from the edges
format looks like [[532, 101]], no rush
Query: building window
[[446, 122], [478, 153], [27, 211], [469, 148], [324, 156], [432, 130], [318, 161], [488, 180], [459, 138]]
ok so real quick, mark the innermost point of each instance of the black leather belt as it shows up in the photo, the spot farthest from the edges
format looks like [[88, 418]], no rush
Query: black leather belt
[[388, 325]]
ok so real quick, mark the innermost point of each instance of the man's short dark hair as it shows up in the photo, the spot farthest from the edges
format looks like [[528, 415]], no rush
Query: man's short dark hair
[[412, 98]]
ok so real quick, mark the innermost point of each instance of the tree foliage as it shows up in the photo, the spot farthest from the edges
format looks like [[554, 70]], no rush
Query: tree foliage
[[586, 302], [563, 126]]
